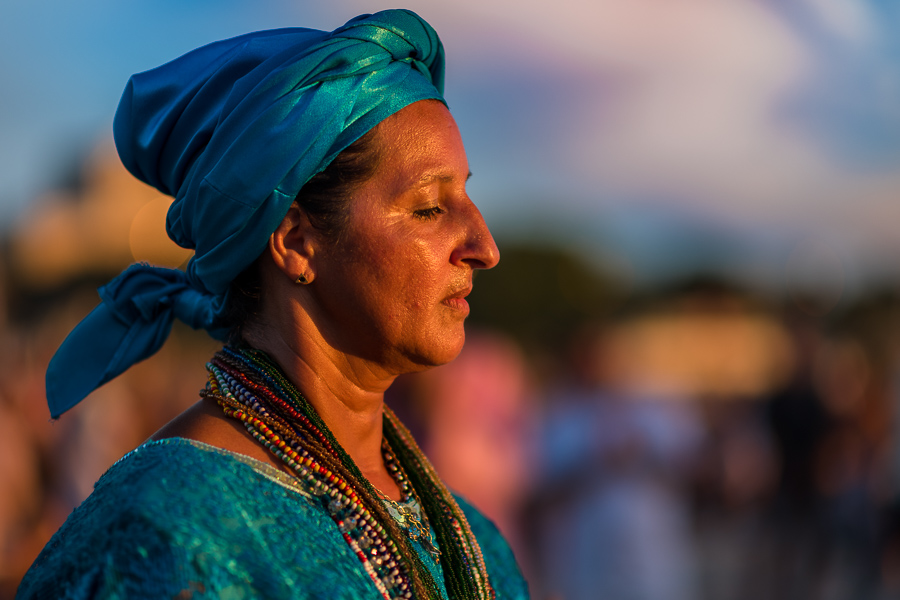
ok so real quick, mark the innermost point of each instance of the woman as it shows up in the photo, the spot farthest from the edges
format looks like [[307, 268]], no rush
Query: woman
[[321, 181]]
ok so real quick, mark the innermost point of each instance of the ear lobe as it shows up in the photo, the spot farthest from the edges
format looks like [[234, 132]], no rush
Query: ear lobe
[[292, 245]]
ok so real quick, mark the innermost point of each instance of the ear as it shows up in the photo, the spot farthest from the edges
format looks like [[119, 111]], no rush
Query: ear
[[293, 245]]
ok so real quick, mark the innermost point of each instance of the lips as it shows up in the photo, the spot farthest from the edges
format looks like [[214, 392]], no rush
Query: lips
[[457, 300]]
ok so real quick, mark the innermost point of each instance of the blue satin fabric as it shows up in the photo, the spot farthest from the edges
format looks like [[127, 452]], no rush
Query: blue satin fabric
[[233, 130], [181, 519]]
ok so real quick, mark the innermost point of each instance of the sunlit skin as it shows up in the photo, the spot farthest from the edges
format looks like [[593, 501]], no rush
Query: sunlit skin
[[387, 297]]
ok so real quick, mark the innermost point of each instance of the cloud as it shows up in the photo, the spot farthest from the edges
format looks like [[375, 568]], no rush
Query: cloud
[[683, 100], [745, 112], [849, 20]]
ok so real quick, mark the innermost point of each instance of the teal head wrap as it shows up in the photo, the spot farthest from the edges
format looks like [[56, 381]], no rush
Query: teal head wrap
[[233, 130]]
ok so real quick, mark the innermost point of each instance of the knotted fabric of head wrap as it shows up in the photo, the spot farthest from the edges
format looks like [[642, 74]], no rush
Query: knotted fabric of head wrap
[[233, 130]]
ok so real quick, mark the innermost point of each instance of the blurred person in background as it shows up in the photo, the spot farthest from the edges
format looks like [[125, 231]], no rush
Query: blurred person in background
[[20, 493], [831, 423], [799, 423], [612, 517], [320, 179]]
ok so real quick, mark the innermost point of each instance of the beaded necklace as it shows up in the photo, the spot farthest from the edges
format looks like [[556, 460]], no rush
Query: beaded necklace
[[251, 388], [413, 521]]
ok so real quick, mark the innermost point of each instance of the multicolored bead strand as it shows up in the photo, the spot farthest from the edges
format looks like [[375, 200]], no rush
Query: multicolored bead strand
[[465, 574], [252, 389], [363, 532]]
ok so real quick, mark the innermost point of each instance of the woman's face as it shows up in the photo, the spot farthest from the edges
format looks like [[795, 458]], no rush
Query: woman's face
[[392, 289]]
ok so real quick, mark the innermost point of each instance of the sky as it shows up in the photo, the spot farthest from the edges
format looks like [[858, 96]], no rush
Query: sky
[[757, 137]]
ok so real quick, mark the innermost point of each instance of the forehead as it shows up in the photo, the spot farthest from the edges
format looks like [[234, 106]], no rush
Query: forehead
[[421, 141]]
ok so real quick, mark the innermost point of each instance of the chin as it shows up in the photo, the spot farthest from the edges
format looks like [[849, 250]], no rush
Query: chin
[[438, 355]]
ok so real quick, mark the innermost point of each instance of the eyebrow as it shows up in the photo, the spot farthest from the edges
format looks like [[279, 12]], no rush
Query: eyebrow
[[440, 177]]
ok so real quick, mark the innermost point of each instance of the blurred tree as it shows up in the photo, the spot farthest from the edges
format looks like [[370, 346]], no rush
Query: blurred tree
[[540, 294]]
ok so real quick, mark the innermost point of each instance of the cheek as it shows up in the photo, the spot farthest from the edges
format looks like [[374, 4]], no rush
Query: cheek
[[400, 275], [405, 262], [425, 275], [394, 277]]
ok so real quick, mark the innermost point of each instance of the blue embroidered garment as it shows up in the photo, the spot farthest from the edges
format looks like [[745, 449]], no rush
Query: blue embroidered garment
[[181, 519]]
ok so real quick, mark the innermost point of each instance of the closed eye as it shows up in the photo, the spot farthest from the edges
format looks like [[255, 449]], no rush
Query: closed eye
[[428, 213]]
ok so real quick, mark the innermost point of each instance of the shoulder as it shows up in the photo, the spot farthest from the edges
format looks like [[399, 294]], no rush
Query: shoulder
[[205, 422], [95, 551], [499, 559], [177, 518]]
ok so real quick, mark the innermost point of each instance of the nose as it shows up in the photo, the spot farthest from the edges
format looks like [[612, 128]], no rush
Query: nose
[[477, 249]]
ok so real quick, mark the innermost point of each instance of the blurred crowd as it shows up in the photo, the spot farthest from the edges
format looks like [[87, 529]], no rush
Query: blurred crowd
[[699, 441], [706, 445]]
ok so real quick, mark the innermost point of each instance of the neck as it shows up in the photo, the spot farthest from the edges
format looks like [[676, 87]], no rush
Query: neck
[[347, 393]]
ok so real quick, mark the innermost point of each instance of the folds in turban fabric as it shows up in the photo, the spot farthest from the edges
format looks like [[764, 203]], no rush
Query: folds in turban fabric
[[233, 130]]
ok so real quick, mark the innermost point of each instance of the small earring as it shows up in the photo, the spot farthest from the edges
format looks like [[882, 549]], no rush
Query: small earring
[[302, 280]]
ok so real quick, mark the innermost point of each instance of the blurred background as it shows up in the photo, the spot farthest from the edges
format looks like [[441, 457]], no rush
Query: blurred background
[[682, 380]]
